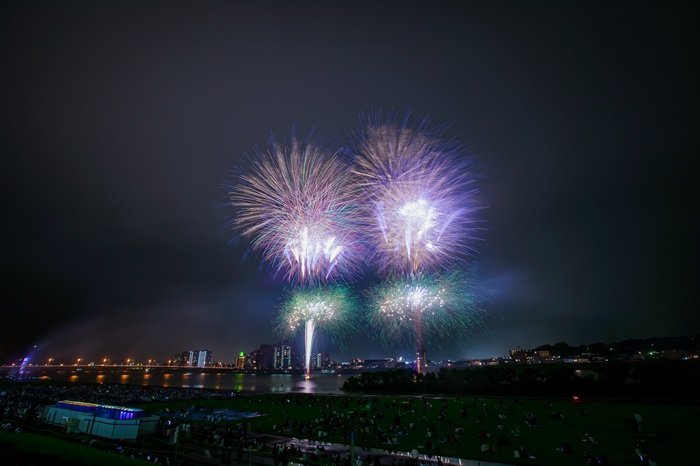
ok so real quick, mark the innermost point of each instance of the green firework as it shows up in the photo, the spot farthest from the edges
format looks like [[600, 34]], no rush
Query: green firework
[[424, 308], [331, 308]]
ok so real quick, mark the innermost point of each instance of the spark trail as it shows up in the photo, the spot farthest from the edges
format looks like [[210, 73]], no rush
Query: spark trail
[[419, 213], [329, 310], [296, 205], [418, 195]]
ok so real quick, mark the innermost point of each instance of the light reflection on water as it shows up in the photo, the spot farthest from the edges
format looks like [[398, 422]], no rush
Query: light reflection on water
[[258, 383]]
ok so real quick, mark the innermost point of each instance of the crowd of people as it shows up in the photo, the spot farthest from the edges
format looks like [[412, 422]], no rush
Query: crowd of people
[[21, 404], [353, 420]]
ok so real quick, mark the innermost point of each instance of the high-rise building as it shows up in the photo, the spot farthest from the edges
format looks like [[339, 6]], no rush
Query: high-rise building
[[199, 358], [240, 361], [204, 358], [194, 358], [181, 359], [252, 360], [421, 358], [320, 361], [283, 355], [266, 356]]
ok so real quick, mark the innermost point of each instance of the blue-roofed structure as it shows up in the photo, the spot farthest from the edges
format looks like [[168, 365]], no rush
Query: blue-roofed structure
[[104, 411], [115, 422]]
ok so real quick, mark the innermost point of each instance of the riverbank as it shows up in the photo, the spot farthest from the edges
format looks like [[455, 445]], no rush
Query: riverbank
[[486, 429], [193, 378]]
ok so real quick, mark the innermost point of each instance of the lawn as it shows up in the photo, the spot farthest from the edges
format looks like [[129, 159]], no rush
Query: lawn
[[670, 428], [28, 448]]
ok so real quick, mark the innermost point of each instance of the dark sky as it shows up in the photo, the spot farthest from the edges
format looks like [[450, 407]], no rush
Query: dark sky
[[120, 121]]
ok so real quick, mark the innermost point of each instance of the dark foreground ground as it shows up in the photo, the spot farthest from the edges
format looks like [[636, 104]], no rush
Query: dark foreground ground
[[318, 430]]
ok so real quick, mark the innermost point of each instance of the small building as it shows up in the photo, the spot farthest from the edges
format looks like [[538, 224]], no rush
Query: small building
[[519, 356], [113, 422]]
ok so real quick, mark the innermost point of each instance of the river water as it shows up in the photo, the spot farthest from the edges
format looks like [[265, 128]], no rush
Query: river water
[[253, 383]]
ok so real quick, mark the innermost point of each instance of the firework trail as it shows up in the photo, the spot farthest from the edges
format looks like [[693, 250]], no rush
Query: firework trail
[[419, 213], [295, 204], [418, 195], [424, 308], [314, 309]]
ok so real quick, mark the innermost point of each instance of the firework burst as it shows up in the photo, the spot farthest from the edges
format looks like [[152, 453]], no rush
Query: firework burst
[[296, 205], [424, 308], [329, 310], [418, 195]]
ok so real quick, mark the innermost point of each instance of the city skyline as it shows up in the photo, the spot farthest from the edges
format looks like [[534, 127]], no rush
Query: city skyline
[[288, 354], [121, 123]]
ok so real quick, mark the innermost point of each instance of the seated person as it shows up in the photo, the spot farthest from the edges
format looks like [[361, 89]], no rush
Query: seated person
[[565, 448]]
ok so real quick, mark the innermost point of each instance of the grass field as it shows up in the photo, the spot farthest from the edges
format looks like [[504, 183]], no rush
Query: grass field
[[33, 449], [670, 428]]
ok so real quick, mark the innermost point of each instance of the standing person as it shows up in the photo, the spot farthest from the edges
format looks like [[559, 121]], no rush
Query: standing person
[[414, 455]]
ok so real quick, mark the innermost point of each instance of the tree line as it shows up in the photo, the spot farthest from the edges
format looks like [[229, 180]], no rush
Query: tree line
[[656, 379]]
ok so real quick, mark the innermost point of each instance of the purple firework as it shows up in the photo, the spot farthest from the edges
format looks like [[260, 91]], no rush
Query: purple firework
[[296, 205], [418, 195]]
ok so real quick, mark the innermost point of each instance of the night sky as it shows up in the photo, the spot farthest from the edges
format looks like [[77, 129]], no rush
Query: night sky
[[120, 121]]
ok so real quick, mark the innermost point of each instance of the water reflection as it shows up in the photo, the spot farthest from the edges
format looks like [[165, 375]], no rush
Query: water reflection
[[256, 383], [307, 386]]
